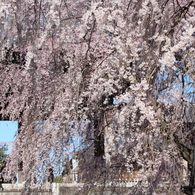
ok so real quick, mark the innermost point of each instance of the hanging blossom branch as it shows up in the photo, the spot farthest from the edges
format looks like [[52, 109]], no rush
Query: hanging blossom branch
[[64, 62]]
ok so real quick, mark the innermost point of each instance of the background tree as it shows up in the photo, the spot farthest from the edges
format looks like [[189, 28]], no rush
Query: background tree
[[3, 154], [68, 61]]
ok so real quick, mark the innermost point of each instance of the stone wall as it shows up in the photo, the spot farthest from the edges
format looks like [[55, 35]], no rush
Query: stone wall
[[65, 189]]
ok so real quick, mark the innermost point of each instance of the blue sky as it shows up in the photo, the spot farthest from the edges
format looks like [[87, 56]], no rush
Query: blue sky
[[7, 131]]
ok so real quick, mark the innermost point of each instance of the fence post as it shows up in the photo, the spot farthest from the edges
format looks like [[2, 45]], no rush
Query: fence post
[[55, 189]]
